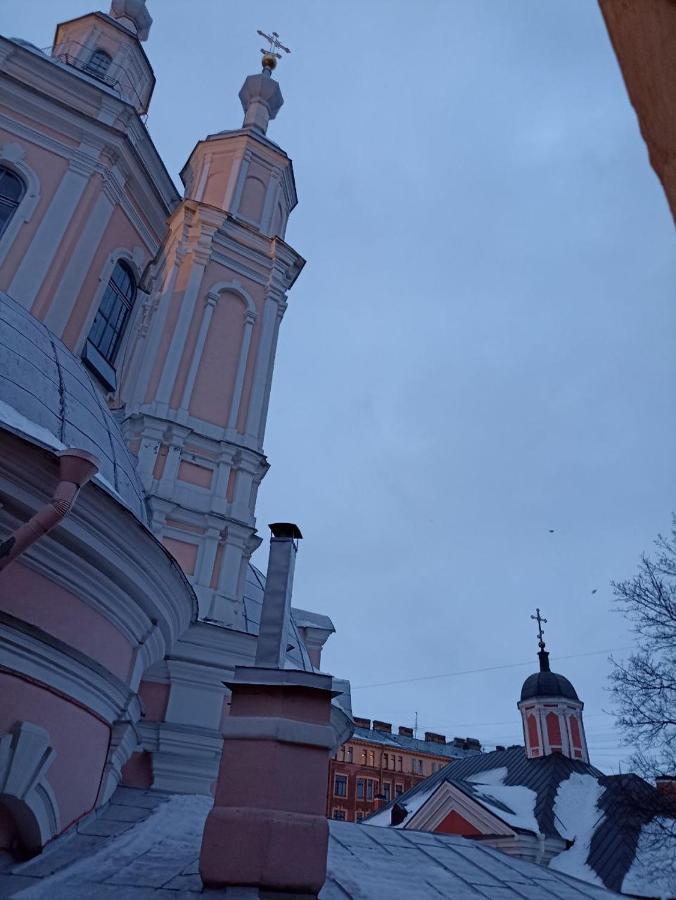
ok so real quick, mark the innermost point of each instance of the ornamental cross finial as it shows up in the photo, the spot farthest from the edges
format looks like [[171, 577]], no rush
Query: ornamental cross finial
[[541, 621], [271, 55]]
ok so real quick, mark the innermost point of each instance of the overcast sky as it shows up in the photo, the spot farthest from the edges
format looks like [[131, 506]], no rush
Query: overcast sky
[[481, 348]]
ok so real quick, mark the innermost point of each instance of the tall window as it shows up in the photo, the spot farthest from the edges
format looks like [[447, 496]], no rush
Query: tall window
[[340, 786], [99, 63], [12, 190], [113, 313]]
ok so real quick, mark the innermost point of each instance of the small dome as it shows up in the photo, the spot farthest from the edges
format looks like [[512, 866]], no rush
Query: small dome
[[547, 684], [48, 396]]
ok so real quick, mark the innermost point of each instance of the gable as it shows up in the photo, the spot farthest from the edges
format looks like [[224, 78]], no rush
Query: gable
[[450, 807]]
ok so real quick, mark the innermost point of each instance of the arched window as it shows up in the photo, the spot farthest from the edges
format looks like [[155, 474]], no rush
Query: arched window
[[99, 63], [111, 318], [12, 190]]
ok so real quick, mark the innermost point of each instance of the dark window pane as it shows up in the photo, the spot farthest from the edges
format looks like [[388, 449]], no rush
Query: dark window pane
[[12, 190], [111, 318], [99, 63]]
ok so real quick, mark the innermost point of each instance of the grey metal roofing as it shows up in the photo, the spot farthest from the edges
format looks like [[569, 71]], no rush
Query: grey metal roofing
[[628, 802], [50, 398], [145, 844], [415, 745], [547, 684]]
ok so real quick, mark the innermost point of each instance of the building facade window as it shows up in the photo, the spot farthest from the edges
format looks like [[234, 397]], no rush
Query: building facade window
[[111, 318], [339, 815], [398, 790], [348, 755], [98, 64], [386, 760], [400, 764], [358, 816], [371, 758], [12, 189], [340, 786], [361, 787], [369, 789], [387, 791]]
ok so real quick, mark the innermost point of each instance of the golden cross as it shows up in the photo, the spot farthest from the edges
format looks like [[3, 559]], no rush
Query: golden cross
[[275, 44]]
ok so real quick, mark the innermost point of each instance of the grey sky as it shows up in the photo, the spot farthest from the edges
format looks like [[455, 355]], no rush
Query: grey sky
[[481, 347]]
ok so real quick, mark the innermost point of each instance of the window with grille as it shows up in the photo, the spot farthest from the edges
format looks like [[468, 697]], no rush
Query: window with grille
[[12, 190], [111, 318], [339, 815], [99, 63]]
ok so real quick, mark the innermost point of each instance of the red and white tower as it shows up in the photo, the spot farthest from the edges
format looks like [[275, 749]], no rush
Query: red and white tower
[[551, 711]]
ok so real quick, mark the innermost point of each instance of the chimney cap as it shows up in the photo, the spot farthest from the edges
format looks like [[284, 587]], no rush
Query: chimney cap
[[285, 530]]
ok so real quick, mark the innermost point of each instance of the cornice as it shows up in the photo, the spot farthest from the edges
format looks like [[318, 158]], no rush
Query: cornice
[[34, 654], [102, 554]]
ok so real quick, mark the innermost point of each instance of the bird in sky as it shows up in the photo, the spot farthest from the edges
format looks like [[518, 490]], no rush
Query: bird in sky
[[551, 531], [595, 590]]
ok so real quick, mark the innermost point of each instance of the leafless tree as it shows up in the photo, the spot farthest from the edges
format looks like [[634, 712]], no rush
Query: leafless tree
[[644, 685]]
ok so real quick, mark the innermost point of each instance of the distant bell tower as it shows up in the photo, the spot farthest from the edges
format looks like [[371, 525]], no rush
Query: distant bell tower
[[196, 384], [551, 711]]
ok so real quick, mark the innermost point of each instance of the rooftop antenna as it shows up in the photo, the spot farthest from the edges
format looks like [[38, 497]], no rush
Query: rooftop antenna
[[270, 56], [415, 726]]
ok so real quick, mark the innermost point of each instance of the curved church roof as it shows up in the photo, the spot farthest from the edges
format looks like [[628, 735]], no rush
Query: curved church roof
[[546, 683], [47, 396]]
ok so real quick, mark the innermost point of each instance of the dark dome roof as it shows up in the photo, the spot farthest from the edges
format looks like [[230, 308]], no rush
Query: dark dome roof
[[547, 684]]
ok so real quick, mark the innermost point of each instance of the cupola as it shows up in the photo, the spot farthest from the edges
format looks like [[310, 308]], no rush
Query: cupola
[[551, 710], [106, 48]]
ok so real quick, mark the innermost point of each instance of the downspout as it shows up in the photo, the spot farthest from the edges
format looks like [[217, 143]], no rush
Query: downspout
[[76, 467]]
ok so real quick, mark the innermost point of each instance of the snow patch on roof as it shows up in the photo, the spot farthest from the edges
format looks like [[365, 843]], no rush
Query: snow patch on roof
[[521, 800], [653, 871], [577, 814]]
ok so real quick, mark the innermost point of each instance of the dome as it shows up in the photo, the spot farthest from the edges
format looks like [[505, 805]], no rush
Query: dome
[[548, 684], [47, 396]]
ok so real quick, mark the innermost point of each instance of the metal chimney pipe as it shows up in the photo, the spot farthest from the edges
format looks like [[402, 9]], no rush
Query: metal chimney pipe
[[76, 467], [272, 637]]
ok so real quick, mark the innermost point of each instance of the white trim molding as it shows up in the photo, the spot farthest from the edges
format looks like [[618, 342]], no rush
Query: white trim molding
[[25, 757]]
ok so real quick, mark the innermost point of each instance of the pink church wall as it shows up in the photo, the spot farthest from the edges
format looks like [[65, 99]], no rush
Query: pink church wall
[[185, 553], [32, 597], [119, 233], [74, 733], [155, 697], [50, 169], [170, 324], [137, 772], [197, 475], [67, 246], [215, 379]]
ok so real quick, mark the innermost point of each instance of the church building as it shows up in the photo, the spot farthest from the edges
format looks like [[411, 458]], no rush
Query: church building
[[165, 723]]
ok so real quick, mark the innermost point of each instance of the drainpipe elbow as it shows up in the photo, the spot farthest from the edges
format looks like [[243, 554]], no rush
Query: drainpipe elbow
[[76, 467]]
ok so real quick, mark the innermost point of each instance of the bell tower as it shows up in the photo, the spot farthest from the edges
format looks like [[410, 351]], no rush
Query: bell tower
[[197, 382], [551, 711]]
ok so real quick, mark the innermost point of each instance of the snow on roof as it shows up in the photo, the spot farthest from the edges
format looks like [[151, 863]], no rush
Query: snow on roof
[[145, 846], [489, 786], [577, 815]]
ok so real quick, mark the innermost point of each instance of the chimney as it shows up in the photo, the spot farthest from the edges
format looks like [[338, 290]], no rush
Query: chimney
[[666, 786], [435, 738], [267, 830], [362, 723], [382, 726], [405, 732]]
